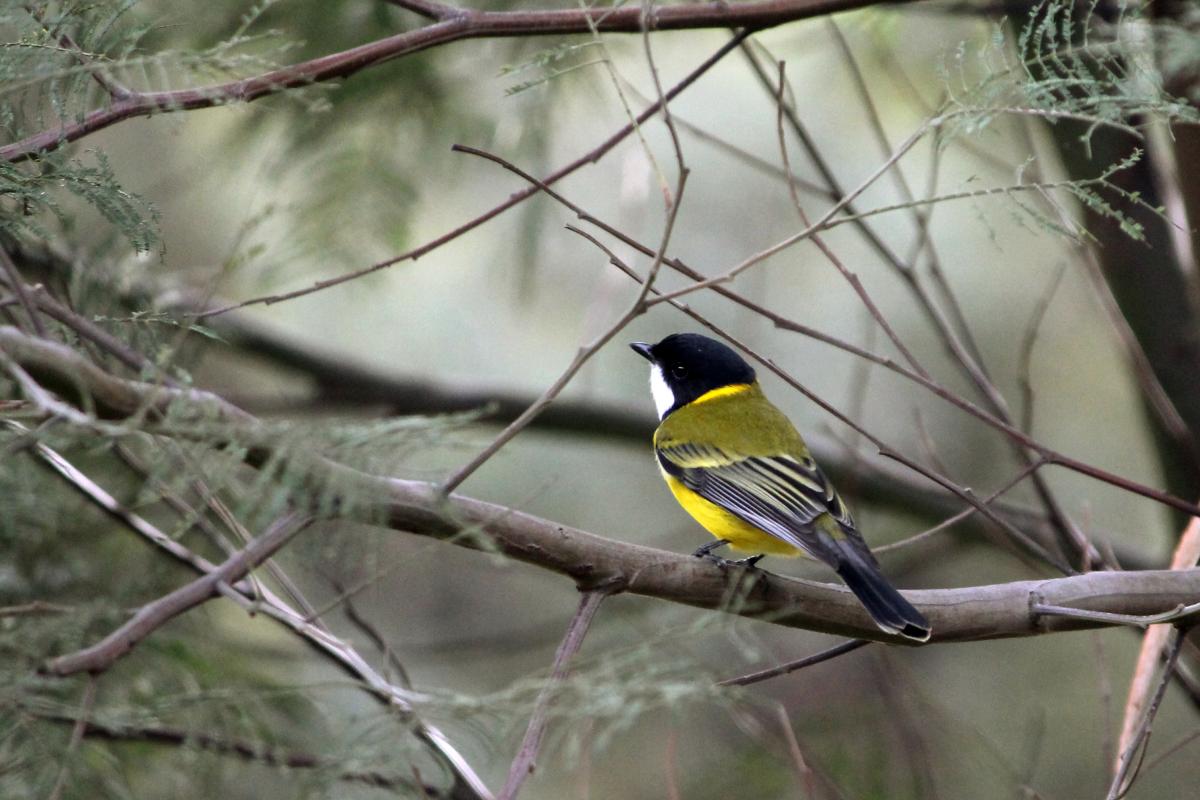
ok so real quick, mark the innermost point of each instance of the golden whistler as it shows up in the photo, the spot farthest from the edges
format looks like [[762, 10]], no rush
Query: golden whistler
[[740, 468]]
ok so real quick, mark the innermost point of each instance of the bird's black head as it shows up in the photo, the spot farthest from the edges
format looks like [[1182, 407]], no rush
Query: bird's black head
[[685, 366]]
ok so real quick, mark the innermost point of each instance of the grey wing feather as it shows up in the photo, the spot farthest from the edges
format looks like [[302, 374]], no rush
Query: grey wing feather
[[779, 494]]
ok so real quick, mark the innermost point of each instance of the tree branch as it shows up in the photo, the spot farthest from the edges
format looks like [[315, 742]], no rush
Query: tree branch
[[463, 24], [247, 750], [522, 765], [341, 380], [788, 667], [263, 601], [153, 616], [716, 284], [962, 614]]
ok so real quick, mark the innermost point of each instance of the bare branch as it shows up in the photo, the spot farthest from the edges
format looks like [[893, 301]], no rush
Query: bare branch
[[970, 613], [803, 771], [959, 342], [1126, 773], [249, 751], [572, 640], [268, 605], [1142, 621], [467, 24], [855, 283], [1154, 643], [590, 157], [17, 285], [848, 646], [584, 353], [34, 608], [1051, 456], [77, 731], [152, 616]]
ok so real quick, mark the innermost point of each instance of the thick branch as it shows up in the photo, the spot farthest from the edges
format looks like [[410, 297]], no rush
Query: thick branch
[[66, 371], [463, 24], [965, 614], [341, 380], [979, 612]]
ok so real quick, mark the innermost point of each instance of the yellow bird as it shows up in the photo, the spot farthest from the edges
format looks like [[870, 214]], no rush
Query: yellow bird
[[739, 467]]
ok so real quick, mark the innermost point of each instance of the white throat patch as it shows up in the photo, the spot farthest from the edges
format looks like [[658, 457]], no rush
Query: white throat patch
[[664, 398]]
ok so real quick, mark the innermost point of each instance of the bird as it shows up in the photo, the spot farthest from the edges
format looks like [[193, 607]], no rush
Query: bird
[[740, 468]]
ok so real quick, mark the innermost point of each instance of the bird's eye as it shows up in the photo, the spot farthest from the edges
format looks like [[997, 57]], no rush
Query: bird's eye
[[679, 371]]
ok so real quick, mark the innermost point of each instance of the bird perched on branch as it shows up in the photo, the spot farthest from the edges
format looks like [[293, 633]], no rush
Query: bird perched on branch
[[739, 467]]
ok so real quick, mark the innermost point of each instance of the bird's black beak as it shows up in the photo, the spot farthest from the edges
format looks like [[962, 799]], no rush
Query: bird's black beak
[[643, 350]]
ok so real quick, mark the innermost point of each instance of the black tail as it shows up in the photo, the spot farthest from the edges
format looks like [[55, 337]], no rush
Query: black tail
[[890, 611]]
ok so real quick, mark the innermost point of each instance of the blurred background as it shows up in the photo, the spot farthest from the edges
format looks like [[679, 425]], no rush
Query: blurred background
[[259, 199]]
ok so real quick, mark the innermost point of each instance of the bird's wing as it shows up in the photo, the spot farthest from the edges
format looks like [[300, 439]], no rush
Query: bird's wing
[[781, 494]]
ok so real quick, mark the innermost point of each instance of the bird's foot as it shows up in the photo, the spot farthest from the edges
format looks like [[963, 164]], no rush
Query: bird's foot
[[707, 552]]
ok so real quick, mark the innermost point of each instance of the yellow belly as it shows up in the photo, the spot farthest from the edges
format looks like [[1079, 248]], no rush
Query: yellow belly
[[723, 525]]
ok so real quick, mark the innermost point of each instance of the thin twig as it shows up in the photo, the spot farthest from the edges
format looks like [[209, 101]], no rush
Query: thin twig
[[960, 516], [77, 732], [274, 608], [590, 157], [671, 768], [249, 751], [821, 224], [468, 23], [372, 633], [154, 615], [920, 215], [1167, 752], [737, 152], [1142, 621], [114, 88], [17, 285], [523, 764], [959, 343], [848, 646], [850, 278], [1029, 342], [583, 354], [1105, 687], [803, 771], [1187, 553], [1147, 378], [1126, 773], [34, 608]]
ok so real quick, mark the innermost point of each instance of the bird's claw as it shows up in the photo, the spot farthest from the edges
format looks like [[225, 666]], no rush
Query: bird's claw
[[707, 552]]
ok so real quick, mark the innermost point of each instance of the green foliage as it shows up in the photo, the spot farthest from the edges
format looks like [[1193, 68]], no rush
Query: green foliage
[[58, 546], [548, 64], [1064, 65]]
